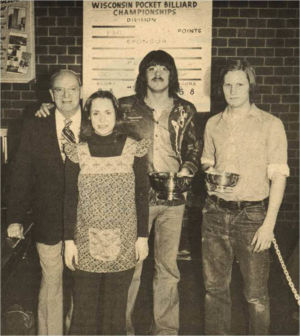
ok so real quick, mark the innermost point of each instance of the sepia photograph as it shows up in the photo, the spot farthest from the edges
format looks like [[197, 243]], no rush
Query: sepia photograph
[[16, 18], [149, 167], [24, 62], [16, 49], [17, 41]]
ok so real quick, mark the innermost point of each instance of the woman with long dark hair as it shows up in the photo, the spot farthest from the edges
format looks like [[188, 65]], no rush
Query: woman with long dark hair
[[106, 217]]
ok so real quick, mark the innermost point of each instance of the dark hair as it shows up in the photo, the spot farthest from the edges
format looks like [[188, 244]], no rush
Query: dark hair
[[62, 72], [86, 128], [243, 65], [156, 57]]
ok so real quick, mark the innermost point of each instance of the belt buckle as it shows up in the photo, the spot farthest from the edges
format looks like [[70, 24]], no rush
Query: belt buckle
[[232, 205]]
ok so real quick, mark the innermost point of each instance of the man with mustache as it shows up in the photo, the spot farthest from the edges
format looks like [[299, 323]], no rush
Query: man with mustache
[[157, 113]]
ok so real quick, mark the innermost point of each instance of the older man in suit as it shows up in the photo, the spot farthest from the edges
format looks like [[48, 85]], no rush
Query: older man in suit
[[38, 176]]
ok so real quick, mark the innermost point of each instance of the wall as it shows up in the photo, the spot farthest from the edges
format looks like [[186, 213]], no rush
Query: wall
[[264, 32], [58, 30]]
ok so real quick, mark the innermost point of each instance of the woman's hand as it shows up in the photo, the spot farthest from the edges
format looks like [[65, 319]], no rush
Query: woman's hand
[[141, 249], [44, 110], [71, 254]]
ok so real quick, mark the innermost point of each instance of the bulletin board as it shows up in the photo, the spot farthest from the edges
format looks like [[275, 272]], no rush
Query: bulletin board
[[118, 34], [17, 41]]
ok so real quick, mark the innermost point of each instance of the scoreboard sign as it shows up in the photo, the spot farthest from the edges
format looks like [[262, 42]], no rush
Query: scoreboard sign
[[118, 34]]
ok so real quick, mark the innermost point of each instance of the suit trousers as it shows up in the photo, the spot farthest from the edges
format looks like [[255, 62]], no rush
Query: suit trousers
[[167, 230], [50, 305]]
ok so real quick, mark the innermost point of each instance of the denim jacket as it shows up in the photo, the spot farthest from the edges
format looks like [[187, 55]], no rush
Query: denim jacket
[[138, 118]]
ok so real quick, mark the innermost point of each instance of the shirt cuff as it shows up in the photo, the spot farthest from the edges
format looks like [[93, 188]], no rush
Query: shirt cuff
[[281, 168], [205, 160]]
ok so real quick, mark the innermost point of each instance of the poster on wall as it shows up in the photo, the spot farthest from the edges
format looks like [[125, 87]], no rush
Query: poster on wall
[[118, 34], [17, 41]]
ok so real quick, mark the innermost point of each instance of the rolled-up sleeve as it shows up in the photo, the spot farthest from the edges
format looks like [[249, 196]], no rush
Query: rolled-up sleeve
[[208, 154], [277, 149]]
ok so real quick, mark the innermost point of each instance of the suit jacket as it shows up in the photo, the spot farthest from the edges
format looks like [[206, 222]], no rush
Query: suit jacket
[[37, 180]]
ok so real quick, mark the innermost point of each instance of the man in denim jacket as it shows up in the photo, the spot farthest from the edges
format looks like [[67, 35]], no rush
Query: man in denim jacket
[[238, 222], [157, 113]]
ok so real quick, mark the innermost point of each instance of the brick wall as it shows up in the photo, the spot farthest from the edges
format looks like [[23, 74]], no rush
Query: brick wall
[[264, 32], [58, 31]]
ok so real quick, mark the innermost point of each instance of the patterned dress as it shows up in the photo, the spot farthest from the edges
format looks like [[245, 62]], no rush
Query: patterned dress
[[106, 228]]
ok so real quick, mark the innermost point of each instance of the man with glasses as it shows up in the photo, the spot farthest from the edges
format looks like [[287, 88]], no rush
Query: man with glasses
[[157, 113], [38, 175]]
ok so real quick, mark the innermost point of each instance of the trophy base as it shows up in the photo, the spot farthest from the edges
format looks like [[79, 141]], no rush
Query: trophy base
[[224, 189]]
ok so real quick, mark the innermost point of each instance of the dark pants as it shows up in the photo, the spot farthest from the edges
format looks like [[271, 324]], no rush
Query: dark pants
[[227, 234], [100, 291]]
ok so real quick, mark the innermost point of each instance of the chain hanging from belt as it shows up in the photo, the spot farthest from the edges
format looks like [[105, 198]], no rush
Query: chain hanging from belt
[[285, 271]]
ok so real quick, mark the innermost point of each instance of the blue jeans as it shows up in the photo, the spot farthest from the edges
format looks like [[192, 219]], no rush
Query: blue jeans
[[167, 230], [227, 234]]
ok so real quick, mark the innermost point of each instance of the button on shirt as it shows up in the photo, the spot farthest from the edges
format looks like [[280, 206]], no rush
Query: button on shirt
[[253, 145], [60, 124]]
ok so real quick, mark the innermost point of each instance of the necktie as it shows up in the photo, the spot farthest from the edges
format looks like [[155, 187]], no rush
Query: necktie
[[67, 133]]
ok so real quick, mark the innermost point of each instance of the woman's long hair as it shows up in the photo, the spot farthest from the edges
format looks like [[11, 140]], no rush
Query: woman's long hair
[[86, 126]]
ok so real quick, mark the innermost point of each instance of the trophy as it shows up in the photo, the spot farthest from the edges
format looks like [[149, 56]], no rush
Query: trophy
[[170, 186], [221, 181]]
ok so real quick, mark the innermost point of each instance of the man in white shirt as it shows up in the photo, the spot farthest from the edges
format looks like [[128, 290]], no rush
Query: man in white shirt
[[238, 223], [38, 175]]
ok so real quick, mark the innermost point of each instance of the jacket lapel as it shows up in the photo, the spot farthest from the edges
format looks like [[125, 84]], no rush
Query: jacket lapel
[[51, 138]]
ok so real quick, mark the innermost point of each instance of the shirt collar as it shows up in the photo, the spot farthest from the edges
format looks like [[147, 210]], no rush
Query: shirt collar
[[76, 118], [75, 125], [253, 112]]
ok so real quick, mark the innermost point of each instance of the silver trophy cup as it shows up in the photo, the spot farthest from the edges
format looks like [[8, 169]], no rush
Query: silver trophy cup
[[169, 186], [221, 181]]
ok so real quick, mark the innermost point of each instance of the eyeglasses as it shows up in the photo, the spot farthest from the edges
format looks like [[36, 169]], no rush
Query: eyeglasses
[[60, 91]]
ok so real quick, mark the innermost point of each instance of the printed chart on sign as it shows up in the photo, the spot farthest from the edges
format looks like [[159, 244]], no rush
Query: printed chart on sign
[[118, 34]]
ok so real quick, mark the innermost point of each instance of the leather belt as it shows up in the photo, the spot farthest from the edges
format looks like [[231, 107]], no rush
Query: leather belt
[[235, 205]]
